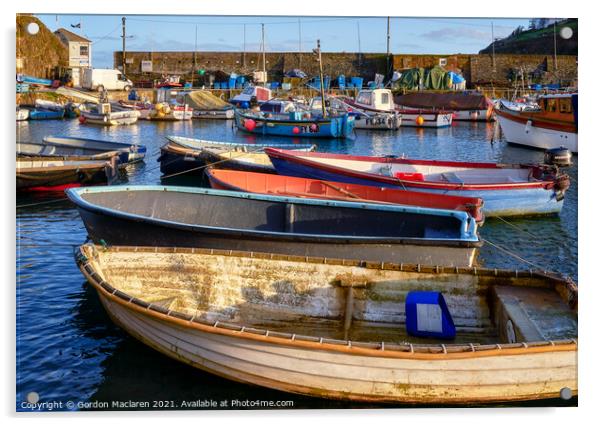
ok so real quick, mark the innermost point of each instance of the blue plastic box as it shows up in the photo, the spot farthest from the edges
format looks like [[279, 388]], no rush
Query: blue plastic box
[[427, 315]]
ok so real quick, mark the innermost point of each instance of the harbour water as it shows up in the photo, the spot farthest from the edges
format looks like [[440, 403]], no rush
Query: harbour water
[[69, 351]]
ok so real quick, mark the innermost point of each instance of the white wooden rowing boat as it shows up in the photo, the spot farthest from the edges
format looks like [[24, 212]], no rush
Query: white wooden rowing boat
[[337, 329]]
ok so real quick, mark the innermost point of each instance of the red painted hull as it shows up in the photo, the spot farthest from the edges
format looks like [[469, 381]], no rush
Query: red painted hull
[[312, 188], [55, 188]]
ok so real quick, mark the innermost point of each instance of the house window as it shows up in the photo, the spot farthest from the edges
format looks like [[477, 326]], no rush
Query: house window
[[83, 51]]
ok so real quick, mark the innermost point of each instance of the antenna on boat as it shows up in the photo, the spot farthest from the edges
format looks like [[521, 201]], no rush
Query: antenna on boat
[[318, 52]]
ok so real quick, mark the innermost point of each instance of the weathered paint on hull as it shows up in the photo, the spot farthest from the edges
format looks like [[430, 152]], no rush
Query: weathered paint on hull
[[510, 202], [355, 377], [429, 120], [124, 232], [537, 137]]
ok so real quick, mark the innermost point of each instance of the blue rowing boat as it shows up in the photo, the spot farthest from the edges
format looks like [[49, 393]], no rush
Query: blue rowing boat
[[295, 124], [45, 114]]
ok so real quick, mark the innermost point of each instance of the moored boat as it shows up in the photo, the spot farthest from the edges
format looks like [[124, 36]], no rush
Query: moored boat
[[218, 114], [191, 156], [350, 330], [379, 101], [207, 218], [61, 146], [295, 124], [465, 106], [506, 189], [105, 117], [554, 125], [57, 174], [313, 188], [46, 114]]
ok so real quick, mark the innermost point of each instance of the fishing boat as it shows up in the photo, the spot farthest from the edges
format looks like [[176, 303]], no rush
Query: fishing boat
[[105, 117], [61, 146], [45, 114], [191, 156], [506, 189], [57, 174], [312, 188], [554, 125], [294, 124], [465, 106], [381, 101], [362, 119], [346, 329], [207, 218], [22, 114]]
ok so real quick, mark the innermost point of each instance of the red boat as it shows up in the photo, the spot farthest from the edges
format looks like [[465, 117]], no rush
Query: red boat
[[312, 188]]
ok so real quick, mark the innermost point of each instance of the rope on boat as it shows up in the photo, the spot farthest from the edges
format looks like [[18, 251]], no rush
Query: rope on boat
[[562, 243], [42, 203], [505, 250], [257, 150]]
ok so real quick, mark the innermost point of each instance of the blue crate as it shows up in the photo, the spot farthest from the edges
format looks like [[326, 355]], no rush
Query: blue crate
[[427, 315]]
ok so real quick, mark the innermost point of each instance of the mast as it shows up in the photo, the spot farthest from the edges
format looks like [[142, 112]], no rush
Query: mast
[[319, 52], [265, 76], [123, 47]]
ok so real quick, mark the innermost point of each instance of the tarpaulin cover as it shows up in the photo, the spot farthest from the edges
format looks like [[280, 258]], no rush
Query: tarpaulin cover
[[451, 101], [456, 78], [437, 79], [205, 100], [411, 79]]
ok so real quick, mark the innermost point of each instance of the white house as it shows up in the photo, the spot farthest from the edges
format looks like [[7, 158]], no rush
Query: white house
[[80, 53]]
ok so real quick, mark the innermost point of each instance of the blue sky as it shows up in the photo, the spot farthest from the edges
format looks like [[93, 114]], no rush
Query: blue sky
[[337, 34]]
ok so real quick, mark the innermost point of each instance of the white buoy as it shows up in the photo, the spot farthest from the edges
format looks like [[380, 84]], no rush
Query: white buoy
[[566, 32], [33, 28]]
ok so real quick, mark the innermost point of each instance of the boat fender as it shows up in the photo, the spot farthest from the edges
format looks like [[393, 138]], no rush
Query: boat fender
[[410, 176], [419, 120], [296, 130], [82, 119], [250, 125], [427, 315]]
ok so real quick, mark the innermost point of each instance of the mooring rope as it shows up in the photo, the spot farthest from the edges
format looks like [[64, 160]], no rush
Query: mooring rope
[[507, 251], [42, 203]]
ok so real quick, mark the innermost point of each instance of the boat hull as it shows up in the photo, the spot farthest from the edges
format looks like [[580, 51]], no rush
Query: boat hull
[[278, 224], [514, 201], [429, 119], [474, 115], [378, 121], [333, 127], [120, 118], [38, 114], [79, 146], [51, 178], [522, 133]]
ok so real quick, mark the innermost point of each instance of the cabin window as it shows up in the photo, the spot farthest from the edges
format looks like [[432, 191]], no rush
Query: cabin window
[[384, 99], [83, 51], [552, 105], [364, 98]]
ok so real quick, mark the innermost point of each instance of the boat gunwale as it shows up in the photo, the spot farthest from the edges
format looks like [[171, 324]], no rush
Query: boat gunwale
[[57, 141], [300, 158], [285, 122], [373, 349], [538, 122], [468, 204], [219, 144], [466, 220]]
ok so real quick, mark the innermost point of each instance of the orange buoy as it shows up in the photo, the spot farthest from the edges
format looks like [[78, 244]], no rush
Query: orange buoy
[[419, 120]]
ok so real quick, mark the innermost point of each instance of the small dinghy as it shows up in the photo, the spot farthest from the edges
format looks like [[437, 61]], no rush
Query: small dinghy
[[350, 330], [66, 146], [46, 114], [190, 156], [208, 218], [103, 116], [57, 174], [312, 188], [506, 189]]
